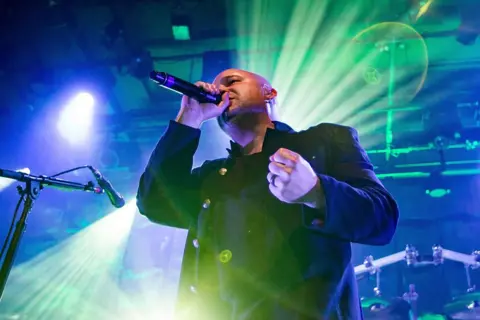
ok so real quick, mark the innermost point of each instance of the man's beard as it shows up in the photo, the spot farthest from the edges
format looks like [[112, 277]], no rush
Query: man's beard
[[227, 116], [238, 115]]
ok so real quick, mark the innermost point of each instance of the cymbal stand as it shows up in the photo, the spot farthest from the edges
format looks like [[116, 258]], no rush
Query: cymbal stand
[[411, 297]]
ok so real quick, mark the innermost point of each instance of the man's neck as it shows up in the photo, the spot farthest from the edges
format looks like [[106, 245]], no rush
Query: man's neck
[[249, 131]]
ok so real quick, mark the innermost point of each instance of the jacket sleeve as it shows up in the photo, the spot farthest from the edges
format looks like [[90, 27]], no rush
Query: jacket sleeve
[[357, 208], [168, 191]]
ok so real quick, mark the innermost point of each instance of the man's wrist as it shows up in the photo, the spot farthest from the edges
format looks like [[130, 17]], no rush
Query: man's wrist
[[188, 119], [315, 199]]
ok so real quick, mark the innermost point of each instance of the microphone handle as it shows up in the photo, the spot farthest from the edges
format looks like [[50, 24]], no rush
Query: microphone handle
[[184, 87], [115, 198]]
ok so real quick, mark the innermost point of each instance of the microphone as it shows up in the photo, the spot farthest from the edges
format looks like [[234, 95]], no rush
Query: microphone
[[115, 198], [184, 87]]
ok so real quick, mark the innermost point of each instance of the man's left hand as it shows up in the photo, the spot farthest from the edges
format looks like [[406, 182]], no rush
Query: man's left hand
[[291, 178]]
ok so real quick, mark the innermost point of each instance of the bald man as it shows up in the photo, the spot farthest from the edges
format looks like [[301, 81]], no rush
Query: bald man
[[270, 225]]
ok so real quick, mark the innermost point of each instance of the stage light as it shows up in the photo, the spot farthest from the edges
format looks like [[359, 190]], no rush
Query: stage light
[[437, 193], [24, 170], [81, 270], [180, 27], [324, 72], [76, 119]]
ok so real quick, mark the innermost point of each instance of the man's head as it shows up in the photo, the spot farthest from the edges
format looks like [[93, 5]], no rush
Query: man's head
[[249, 93]]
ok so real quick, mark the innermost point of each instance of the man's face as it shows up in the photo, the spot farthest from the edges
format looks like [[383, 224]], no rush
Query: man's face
[[245, 90]]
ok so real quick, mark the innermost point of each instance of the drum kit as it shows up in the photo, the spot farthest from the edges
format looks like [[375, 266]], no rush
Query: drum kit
[[462, 307]]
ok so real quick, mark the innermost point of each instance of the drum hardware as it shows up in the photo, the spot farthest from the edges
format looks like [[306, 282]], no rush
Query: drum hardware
[[368, 264], [377, 290], [467, 307], [437, 255], [476, 254], [471, 287], [411, 297], [473, 305], [464, 307], [411, 257], [372, 266]]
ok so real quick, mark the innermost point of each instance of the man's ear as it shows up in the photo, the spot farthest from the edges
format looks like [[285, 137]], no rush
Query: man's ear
[[268, 92]]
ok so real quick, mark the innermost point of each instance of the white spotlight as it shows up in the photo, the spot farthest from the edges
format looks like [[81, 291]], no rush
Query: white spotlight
[[75, 120]]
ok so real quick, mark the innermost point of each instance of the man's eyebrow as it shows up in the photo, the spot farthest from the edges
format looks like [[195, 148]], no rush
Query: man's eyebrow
[[231, 76]]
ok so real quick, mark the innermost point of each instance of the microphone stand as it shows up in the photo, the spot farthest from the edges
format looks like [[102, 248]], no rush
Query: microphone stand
[[31, 191]]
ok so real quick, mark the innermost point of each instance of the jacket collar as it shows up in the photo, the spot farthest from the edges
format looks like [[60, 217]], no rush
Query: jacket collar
[[279, 129]]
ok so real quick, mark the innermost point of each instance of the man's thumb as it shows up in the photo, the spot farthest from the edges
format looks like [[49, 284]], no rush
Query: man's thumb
[[225, 101]]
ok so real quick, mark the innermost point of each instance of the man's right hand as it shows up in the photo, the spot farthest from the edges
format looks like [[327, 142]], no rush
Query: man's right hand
[[193, 114]]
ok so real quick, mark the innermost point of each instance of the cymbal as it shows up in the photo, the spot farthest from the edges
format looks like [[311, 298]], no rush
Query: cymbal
[[380, 309], [464, 307], [374, 303]]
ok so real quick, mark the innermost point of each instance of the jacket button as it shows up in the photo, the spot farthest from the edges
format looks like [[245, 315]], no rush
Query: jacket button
[[206, 203], [317, 223], [222, 171], [313, 157], [195, 243], [193, 289]]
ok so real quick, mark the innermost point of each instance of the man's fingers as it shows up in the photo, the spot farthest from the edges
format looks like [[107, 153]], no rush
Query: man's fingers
[[225, 101], [276, 186], [280, 170], [270, 177], [286, 157], [208, 87]]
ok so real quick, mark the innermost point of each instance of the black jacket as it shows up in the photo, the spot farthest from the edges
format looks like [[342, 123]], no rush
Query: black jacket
[[248, 251]]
